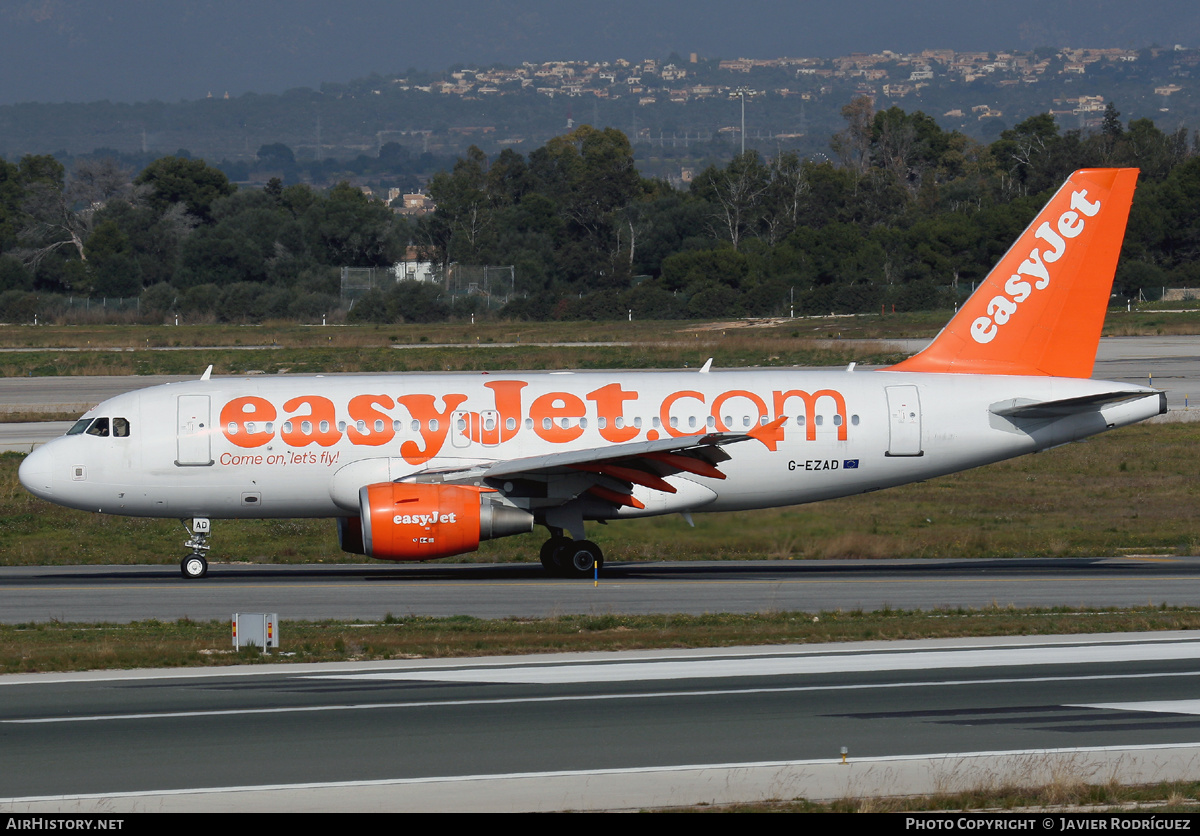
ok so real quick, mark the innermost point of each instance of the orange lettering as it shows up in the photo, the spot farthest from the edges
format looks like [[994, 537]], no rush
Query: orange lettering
[[610, 405], [810, 406], [548, 413], [318, 426], [508, 406], [361, 410], [433, 424], [736, 393], [664, 412], [240, 412]]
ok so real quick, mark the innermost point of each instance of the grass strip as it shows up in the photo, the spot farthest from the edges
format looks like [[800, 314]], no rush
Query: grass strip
[[56, 646]]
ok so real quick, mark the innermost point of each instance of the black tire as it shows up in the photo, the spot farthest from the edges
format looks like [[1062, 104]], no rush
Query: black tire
[[547, 555], [194, 566], [579, 558]]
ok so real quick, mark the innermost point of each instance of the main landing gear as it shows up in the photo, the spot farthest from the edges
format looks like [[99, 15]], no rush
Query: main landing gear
[[194, 566], [563, 557]]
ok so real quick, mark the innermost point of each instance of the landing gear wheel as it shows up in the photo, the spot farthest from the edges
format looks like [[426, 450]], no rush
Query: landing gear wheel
[[194, 566], [579, 558], [548, 555]]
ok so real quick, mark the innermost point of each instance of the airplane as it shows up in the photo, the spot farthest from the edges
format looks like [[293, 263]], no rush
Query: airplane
[[423, 466]]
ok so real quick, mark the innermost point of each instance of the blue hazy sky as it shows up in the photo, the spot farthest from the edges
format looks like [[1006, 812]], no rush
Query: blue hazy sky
[[135, 50]]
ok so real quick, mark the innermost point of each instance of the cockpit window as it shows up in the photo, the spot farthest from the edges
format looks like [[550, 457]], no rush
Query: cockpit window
[[120, 427], [99, 427], [79, 426]]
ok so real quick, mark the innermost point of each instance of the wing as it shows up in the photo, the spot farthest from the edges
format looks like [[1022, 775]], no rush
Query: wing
[[563, 489]]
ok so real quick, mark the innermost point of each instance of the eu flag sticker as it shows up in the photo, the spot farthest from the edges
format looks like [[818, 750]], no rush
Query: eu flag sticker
[[850, 464]]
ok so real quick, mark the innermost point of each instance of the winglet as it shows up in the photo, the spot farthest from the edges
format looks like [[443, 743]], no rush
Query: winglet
[[1041, 309]]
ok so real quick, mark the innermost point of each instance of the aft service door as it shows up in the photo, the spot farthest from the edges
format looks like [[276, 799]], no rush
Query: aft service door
[[904, 421], [194, 440]]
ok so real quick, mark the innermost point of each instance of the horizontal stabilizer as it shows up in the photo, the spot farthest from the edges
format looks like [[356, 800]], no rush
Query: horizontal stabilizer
[[1016, 408]]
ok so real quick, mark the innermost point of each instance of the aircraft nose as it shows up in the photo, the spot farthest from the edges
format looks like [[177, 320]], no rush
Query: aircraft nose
[[36, 473]]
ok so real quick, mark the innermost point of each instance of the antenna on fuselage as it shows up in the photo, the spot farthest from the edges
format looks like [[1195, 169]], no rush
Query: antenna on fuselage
[[707, 367], [207, 373]]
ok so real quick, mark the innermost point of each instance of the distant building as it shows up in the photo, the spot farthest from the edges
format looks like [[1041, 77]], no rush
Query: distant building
[[414, 204], [413, 268]]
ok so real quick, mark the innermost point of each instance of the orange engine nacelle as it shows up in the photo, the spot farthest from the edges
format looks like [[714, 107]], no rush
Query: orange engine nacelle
[[403, 521]]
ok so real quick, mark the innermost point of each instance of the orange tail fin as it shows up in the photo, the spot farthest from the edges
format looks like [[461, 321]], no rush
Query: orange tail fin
[[1040, 310]]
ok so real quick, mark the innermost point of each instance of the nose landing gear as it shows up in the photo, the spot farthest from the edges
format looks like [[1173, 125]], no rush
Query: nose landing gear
[[194, 565]]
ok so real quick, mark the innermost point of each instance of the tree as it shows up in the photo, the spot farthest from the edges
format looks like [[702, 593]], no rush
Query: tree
[[348, 229], [220, 255], [13, 275], [96, 182], [1024, 151], [590, 174], [154, 239], [735, 194], [507, 178], [1111, 126], [62, 213], [692, 271], [190, 182], [276, 155], [1154, 152], [786, 193], [393, 154], [41, 168], [11, 193], [853, 143], [894, 140], [464, 216], [111, 265]]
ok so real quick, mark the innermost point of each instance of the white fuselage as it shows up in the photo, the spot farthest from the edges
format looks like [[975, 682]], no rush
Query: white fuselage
[[303, 446]]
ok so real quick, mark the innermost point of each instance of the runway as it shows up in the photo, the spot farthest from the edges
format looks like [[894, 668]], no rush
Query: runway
[[605, 730], [371, 592]]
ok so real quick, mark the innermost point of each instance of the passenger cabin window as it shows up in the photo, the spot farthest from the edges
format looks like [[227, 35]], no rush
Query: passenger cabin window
[[99, 427]]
